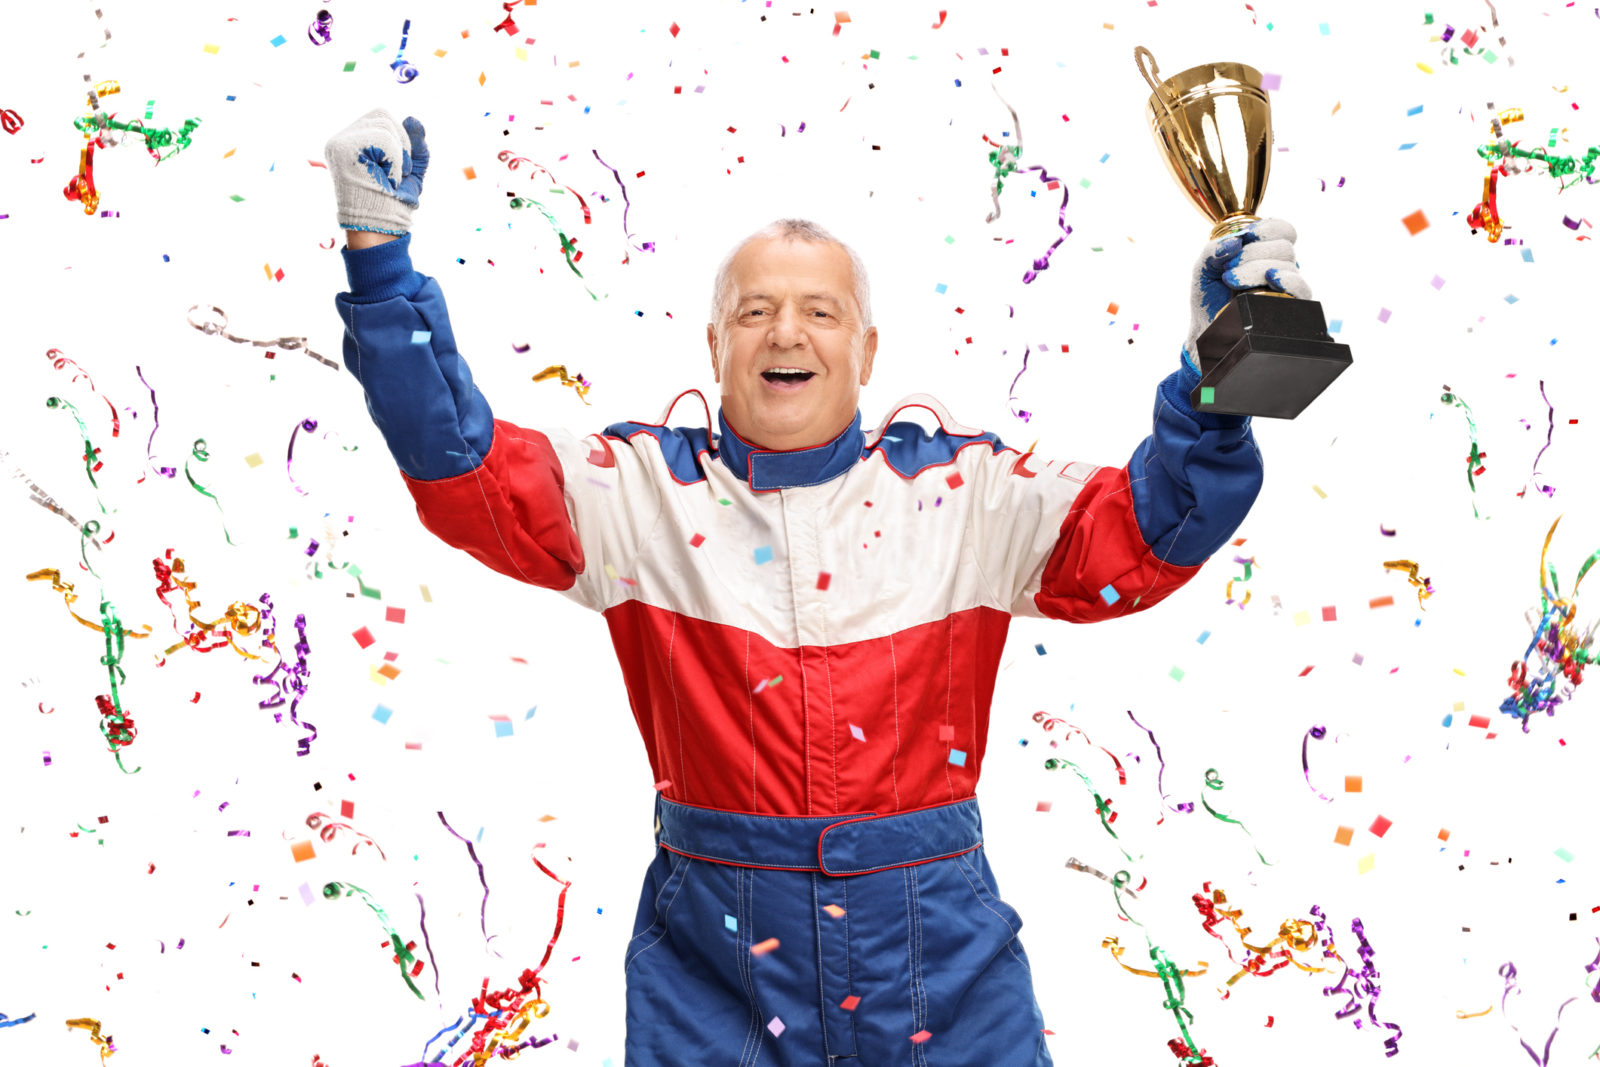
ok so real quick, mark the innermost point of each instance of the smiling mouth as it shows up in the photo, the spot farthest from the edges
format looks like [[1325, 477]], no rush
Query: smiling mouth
[[788, 377]]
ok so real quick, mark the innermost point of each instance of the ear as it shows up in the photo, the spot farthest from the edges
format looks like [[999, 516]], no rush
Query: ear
[[711, 343], [869, 349]]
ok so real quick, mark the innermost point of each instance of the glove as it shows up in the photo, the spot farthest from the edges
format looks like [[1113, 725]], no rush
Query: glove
[[1262, 255], [376, 177]]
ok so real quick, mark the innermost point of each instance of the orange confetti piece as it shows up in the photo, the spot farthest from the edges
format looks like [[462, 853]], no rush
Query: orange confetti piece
[[1444, 835], [302, 851], [920, 1036], [1381, 602], [834, 910], [1352, 783], [470, 173], [1112, 307], [1344, 835], [1415, 222], [761, 948]]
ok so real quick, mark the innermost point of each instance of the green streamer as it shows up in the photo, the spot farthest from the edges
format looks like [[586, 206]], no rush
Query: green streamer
[[202, 455], [1214, 781], [332, 890]]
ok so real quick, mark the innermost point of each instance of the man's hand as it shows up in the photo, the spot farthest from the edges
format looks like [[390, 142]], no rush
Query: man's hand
[[377, 165], [1262, 255]]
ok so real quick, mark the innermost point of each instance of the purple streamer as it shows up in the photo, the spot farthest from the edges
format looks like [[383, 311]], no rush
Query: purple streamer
[[648, 246], [294, 676], [1365, 985], [1509, 972], [429, 946], [1318, 732], [1043, 262], [1550, 433], [1023, 415], [483, 910], [170, 472], [1187, 807], [309, 426]]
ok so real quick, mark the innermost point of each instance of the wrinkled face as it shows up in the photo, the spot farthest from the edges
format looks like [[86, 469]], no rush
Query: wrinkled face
[[793, 309]]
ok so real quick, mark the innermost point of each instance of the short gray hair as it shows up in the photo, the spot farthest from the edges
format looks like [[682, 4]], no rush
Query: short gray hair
[[789, 229]]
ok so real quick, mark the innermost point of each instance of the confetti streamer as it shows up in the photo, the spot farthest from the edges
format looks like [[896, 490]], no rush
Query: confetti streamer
[[403, 70], [53, 576], [483, 909], [1474, 458], [1011, 399], [60, 362], [1187, 807], [294, 677], [1548, 491], [1102, 805], [1121, 880], [169, 472], [648, 246], [1317, 732], [427, 943], [1508, 971], [1424, 588], [321, 29], [93, 1026], [1172, 977], [1214, 781], [288, 344], [1004, 161], [44, 499], [200, 453], [578, 384], [327, 829], [241, 618], [90, 462], [403, 956], [1562, 652], [1295, 935], [5, 1021], [1364, 988]]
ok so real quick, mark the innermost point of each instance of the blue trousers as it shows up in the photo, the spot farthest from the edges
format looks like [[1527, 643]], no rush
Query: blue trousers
[[893, 948]]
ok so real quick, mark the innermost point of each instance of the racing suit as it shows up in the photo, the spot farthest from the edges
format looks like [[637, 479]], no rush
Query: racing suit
[[809, 641]]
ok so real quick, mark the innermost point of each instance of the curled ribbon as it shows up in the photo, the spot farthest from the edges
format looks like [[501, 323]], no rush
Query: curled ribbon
[[578, 384]]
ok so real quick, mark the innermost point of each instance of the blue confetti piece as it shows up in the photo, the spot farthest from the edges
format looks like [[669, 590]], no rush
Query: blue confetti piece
[[958, 757], [531, 710], [421, 337], [1414, 111], [1510, 299], [1323, 26], [1110, 595], [939, 288], [232, 98], [1105, 157], [278, 40], [1527, 255], [1407, 147], [1039, 649], [1202, 638], [1448, 719], [382, 714], [502, 727], [763, 554], [1333, 327], [729, 921]]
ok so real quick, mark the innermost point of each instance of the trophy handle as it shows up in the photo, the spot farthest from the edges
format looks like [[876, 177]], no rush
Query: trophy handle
[[1161, 94]]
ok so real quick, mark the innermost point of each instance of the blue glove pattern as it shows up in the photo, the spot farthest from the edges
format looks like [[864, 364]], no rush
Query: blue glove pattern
[[1261, 255]]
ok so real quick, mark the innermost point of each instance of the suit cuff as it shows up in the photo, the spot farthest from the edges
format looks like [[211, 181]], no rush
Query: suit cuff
[[1177, 387], [381, 271]]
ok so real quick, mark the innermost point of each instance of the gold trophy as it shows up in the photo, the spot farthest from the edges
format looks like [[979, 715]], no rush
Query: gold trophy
[[1265, 353]]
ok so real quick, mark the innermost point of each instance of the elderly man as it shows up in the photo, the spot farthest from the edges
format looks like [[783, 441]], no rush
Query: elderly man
[[809, 617]]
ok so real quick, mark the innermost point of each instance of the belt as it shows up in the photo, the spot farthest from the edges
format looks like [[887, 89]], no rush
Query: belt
[[836, 845]]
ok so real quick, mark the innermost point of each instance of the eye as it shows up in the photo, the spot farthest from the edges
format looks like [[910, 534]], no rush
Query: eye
[[824, 314]]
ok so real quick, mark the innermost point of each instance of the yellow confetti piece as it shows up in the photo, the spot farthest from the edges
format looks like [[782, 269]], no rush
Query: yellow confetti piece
[[229, 152], [439, 52], [213, 49], [574, 63], [1459, 671], [372, 674], [1424, 68], [1319, 491], [1473, 1015], [1460, 705], [427, 598], [254, 459], [522, 53], [1366, 863], [1302, 618]]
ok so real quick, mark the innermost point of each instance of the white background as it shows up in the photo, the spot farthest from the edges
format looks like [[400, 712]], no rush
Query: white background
[[1378, 443]]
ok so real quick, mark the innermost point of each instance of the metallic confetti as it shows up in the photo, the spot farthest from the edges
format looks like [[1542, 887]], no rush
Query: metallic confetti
[[288, 344], [1562, 652], [1214, 781], [1004, 161]]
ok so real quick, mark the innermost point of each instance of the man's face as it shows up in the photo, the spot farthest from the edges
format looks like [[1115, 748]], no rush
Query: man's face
[[793, 307]]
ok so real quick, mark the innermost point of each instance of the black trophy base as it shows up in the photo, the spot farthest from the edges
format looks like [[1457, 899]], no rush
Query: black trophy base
[[1266, 355]]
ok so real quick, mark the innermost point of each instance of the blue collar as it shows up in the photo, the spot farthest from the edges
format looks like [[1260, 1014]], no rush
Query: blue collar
[[766, 469]]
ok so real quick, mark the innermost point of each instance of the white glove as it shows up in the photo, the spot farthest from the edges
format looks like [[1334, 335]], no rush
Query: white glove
[[1262, 255], [377, 166]]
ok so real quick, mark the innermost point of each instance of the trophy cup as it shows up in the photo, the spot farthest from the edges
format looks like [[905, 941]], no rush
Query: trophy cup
[[1265, 353]]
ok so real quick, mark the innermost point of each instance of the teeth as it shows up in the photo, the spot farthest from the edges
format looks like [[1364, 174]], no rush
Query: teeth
[[785, 370]]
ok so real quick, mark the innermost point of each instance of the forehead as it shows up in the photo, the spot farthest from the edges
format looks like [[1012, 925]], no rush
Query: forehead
[[779, 267]]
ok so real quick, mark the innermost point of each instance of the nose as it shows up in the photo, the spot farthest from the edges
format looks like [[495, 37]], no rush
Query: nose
[[785, 330]]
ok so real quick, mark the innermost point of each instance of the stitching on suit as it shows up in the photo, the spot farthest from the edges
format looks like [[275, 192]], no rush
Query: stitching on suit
[[920, 1053], [894, 775], [964, 863], [911, 956], [663, 919], [742, 961], [949, 685], [751, 698], [822, 992], [677, 714]]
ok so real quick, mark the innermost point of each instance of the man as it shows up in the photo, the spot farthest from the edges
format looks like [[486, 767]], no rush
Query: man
[[809, 619]]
